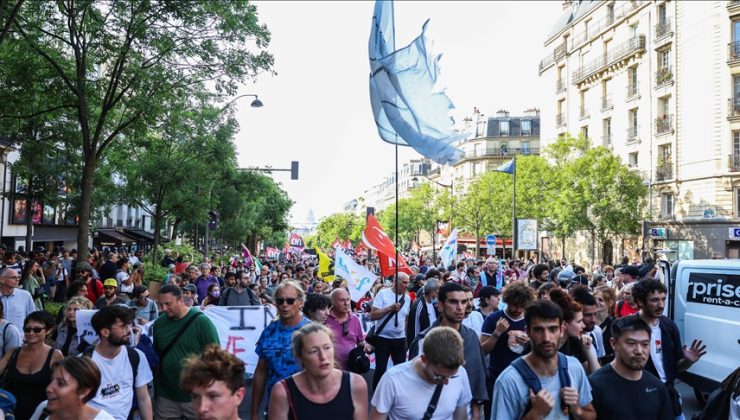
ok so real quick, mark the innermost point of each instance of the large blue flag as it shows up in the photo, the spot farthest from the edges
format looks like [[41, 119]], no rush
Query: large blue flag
[[409, 110], [507, 167]]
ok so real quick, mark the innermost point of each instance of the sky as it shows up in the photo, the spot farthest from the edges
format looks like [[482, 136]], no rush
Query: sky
[[317, 107]]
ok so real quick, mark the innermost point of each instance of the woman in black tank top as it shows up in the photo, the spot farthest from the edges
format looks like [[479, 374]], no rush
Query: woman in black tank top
[[319, 390]]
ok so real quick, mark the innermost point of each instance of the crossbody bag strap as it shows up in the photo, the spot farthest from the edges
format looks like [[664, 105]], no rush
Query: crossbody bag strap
[[179, 334], [433, 402]]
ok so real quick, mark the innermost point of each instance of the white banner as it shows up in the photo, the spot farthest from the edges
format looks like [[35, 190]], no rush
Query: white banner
[[239, 328], [449, 250], [526, 236], [359, 279]]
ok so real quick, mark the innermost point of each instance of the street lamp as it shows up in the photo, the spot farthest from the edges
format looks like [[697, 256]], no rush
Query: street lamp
[[256, 103], [451, 186]]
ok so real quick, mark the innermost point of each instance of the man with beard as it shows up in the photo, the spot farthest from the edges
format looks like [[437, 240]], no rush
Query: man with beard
[[124, 371], [540, 273], [452, 302], [514, 396], [472, 279], [622, 389], [581, 295], [182, 332], [110, 295], [276, 361], [493, 276], [239, 295], [473, 319]]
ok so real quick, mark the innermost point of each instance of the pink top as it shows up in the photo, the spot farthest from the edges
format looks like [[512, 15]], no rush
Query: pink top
[[344, 343]]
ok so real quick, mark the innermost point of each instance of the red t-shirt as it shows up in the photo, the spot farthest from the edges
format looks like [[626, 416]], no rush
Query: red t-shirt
[[626, 310], [94, 290]]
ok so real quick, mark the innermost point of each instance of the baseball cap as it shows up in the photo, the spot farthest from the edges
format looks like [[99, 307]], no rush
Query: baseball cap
[[110, 283]]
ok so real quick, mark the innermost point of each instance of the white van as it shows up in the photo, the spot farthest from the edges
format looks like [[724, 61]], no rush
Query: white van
[[704, 301]]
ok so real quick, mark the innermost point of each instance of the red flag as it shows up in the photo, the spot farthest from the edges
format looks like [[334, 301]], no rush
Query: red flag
[[336, 243], [347, 244], [374, 238]]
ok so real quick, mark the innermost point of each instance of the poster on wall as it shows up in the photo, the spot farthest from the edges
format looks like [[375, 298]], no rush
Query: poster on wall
[[526, 234]]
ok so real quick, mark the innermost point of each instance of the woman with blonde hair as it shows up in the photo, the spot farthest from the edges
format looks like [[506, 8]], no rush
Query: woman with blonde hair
[[65, 334], [320, 390]]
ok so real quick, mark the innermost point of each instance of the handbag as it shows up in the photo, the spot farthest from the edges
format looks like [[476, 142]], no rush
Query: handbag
[[372, 334]]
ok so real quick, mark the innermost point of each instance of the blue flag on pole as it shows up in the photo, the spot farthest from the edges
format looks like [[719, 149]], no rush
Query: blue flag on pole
[[408, 109], [507, 167]]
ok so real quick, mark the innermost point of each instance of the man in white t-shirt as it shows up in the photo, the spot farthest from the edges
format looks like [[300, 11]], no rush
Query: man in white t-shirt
[[406, 391], [473, 319], [116, 361], [393, 303]]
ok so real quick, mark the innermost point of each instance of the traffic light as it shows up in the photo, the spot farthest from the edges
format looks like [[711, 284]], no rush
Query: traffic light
[[294, 169], [212, 219]]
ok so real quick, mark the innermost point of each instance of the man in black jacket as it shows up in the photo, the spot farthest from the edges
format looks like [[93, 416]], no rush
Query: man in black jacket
[[423, 311]]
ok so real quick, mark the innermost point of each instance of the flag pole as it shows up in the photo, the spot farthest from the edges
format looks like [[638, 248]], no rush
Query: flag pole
[[513, 214], [395, 275]]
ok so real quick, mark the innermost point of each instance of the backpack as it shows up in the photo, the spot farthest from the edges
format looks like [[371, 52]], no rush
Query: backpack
[[533, 382], [133, 358], [146, 346]]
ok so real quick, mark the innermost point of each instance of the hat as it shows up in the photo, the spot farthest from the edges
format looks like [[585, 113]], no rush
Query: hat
[[630, 270], [110, 283], [83, 266], [566, 275], [171, 266], [190, 288], [358, 362]]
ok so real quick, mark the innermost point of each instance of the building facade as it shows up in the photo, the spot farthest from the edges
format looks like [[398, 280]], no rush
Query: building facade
[[656, 82]]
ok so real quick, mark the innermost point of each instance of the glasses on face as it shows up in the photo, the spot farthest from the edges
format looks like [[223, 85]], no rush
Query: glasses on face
[[281, 301], [35, 330], [441, 378]]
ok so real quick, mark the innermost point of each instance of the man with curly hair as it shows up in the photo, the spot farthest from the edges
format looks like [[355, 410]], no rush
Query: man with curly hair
[[216, 381]]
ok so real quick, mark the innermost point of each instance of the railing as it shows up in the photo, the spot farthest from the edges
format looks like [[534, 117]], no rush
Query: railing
[[733, 50], [734, 161], [498, 152], [584, 112], [560, 86], [435, 171], [632, 133], [632, 90], [559, 120], [606, 102], [621, 51], [606, 140], [734, 107], [664, 170], [595, 28], [662, 28], [557, 54], [664, 124], [663, 76]]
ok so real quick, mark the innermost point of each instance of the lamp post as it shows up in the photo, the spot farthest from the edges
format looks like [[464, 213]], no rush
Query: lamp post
[[256, 103], [451, 186]]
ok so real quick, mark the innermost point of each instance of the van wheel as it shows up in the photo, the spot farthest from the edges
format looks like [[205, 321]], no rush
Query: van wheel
[[701, 396]]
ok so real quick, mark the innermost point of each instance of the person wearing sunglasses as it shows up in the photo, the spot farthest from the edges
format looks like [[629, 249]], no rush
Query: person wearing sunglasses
[[409, 389], [276, 362], [345, 326], [146, 308], [319, 390], [34, 356]]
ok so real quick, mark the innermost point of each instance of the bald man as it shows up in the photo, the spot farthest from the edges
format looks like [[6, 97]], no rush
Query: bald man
[[391, 304], [345, 325]]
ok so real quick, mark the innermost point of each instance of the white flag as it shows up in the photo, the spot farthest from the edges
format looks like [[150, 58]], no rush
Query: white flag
[[359, 279], [449, 251]]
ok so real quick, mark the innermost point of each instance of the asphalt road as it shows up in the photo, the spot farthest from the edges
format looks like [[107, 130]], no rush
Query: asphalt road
[[690, 404]]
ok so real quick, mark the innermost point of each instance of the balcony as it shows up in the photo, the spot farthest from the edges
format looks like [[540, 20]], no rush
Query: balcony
[[734, 107], [633, 91], [664, 124], [733, 7], [559, 120], [733, 51], [560, 86], [664, 170], [606, 103], [734, 162], [663, 76], [493, 152], [633, 134], [597, 27], [606, 140], [550, 59], [662, 29], [623, 51]]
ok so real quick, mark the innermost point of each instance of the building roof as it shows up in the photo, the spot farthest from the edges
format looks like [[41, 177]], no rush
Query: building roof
[[578, 9]]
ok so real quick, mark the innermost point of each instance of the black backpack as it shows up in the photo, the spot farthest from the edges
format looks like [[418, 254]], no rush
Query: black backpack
[[533, 382]]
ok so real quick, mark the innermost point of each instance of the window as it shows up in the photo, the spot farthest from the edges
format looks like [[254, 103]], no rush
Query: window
[[583, 109], [632, 160], [737, 202], [662, 15], [610, 14], [633, 31], [526, 127], [525, 148], [584, 131], [607, 130], [503, 127], [664, 106], [632, 128], [664, 152], [736, 31], [666, 204], [736, 144], [632, 82], [664, 59]]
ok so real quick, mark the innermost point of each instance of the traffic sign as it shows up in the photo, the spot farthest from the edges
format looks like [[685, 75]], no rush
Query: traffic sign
[[659, 233], [735, 233], [491, 250], [491, 240]]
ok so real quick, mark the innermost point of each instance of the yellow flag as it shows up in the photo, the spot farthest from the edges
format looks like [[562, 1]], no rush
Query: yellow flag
[[326, 269]]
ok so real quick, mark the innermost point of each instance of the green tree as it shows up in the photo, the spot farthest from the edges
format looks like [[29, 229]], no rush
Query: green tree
[[9, 9], [474, 211], [119, 61], [339, 226]]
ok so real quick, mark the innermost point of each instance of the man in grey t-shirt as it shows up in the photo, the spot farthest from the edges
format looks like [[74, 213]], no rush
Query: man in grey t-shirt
[[513, 397]]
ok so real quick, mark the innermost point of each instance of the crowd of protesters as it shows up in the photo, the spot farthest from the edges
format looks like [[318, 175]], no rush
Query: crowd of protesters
[[482, 338]]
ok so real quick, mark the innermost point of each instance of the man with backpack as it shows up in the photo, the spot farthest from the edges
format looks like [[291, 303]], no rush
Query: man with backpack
[[124, 371], [239, 295], [544, 383]]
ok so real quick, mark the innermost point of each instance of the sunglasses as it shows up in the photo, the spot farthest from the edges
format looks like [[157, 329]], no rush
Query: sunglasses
[[35, 330], [441, 378], [345, 328], [289, 301]]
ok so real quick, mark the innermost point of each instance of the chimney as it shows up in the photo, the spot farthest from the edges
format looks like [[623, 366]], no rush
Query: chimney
[[566, 4], [502, 113], [532, 112]]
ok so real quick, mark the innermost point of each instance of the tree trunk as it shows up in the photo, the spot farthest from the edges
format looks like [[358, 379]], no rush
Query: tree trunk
[[563, 252], [83, 229], [29, 218], [175, 225], [157, 228]]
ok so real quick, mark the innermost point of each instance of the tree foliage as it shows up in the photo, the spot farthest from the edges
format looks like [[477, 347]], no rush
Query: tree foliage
[[340, 226]]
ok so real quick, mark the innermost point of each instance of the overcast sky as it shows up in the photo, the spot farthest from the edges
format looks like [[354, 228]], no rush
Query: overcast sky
[[317, 108]]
